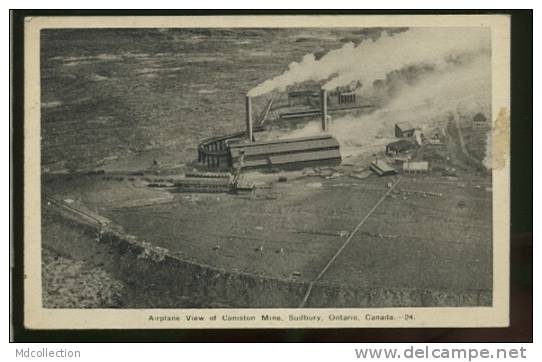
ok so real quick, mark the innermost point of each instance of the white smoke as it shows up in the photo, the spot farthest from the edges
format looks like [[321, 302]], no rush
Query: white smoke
[[458, 89], [372, 60], [308, 69]]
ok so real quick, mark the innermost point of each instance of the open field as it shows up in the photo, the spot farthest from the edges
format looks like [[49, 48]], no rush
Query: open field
[[413, 239], [135, 95], [423, 240]]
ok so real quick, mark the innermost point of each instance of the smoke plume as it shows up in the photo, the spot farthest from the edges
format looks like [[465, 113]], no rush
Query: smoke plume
[[371, 60], [458, 89]]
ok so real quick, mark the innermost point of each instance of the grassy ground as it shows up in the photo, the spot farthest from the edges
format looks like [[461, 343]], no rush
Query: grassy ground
[[422, 240], [412, 240]]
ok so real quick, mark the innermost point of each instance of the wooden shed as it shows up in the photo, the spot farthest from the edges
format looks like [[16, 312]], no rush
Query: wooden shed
[[404, 129], [400, 147], [418, 167]]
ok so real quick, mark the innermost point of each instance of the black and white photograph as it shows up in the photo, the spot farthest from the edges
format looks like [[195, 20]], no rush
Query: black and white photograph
[[236, 175]]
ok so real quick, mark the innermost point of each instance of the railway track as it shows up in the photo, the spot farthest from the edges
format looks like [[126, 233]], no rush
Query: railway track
[[101, 222]]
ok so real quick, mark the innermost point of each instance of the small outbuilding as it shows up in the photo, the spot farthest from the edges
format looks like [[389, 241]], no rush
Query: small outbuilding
[[418, 167], [381, 168], [404, 129], [400, 147], [479, 120]]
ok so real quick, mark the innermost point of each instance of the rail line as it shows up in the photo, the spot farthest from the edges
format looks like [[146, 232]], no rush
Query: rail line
[[345, 244], [60, 204]]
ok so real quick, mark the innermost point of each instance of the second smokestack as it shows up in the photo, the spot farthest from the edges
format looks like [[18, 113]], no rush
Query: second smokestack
[[248, 103], [323, 103]]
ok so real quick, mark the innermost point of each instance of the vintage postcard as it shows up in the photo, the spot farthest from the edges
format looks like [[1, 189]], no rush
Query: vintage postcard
[[267, 171]]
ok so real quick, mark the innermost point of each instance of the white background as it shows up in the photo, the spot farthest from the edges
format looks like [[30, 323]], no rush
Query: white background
[[231, 352]]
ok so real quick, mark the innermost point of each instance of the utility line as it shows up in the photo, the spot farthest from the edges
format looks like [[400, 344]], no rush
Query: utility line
[[339, 251]]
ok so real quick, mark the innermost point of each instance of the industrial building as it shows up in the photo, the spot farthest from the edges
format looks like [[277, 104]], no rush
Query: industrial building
[[302, 97], [288, 153], [242, 150], [307, 103]]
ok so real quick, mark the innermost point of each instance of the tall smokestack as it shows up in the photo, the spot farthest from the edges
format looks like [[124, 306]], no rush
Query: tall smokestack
[[323, 103], [249, 118]]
